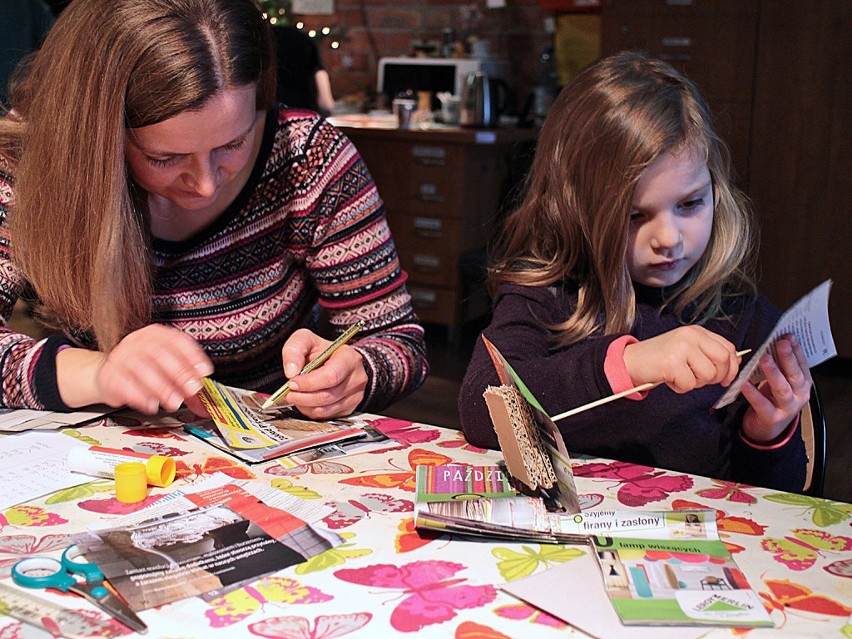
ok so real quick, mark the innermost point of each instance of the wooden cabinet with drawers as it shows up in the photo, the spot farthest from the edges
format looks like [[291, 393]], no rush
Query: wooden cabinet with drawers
[[444, 192], [712, 41]]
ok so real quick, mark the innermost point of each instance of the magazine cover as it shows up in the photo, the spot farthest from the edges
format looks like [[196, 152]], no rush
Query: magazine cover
[[677, 582]]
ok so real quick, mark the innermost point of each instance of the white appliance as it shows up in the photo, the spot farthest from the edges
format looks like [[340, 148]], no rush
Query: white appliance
[[433, 74]]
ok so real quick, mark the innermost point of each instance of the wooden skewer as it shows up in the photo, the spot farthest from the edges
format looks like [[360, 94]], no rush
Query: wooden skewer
[[605, 400]]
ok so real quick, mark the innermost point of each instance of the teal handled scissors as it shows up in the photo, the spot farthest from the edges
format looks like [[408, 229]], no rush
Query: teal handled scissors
[[46, 572]]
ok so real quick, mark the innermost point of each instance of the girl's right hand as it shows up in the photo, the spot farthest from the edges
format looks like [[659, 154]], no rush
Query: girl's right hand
[[154, 367], [684, 358]]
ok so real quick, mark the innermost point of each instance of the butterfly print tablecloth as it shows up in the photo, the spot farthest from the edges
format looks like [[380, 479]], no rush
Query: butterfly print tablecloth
[[387, 580]]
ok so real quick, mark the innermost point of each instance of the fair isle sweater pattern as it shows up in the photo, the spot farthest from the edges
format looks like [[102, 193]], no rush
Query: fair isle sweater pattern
[[308, 231]]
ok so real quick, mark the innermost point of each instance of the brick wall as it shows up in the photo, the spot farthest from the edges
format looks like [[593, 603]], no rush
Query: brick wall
[[377, 28]]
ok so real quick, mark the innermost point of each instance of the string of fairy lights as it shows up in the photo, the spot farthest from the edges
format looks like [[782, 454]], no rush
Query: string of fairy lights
[[277, 12]]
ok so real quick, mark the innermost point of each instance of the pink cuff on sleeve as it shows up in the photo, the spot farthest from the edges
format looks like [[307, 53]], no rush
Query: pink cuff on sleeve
[[615, 369], [778, 442]]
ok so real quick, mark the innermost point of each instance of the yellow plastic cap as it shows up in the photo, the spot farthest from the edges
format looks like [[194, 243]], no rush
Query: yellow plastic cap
[[160, 471], [131, 485]]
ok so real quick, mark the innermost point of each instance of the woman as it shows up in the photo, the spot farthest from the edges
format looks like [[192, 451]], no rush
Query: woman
[[173, 223]]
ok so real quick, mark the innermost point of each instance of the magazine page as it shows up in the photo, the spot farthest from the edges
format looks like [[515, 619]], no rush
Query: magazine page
[[480, 501], [206, 431], [15, 420], [373, 441], [645, 524], [477, 500], [677, 582], [203, 543], [808, 320], [574, 592], [185, 555], [243, 424]]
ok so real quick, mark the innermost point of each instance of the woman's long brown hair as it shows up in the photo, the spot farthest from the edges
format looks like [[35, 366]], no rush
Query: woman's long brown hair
[[79, 234]]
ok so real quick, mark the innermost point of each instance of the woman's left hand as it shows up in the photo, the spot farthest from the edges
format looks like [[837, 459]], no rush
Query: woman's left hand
[[777, 400], [335, 388]]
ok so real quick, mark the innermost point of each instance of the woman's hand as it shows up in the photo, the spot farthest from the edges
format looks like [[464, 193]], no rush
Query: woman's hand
[[685, 358], [335, 388], [776, 401], [151, 368]]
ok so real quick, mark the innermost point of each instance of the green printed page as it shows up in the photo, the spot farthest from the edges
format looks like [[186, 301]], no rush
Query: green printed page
[[674, 582]]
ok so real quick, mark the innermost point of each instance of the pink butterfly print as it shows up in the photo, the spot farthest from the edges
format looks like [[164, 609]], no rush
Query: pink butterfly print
[[640, 485], [523, 611], [19, 546], [76, 622], [112, 506], [404, 432], [461, 442], [430, 596], [317, 468], [352, 511], [325, 626], [729, 491]]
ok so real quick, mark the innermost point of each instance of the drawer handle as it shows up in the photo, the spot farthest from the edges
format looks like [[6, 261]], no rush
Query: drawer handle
[[429, 152], [432, 198], [423, 299], [426, 263], [434, 224], [431, 162], [428, 192], [676, 42], [676, 57], [679, 3], [428, 227]]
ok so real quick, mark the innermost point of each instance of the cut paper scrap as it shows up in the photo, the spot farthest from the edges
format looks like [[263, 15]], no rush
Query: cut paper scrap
[[239, 428]]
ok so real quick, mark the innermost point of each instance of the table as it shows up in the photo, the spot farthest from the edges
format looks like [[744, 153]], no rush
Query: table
[[795, 550]]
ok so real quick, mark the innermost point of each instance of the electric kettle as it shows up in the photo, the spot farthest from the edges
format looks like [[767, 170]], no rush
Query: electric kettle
[[483, 100]]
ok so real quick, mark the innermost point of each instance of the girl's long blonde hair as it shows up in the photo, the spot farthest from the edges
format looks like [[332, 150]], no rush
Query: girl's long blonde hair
[[604, 129], [78, 226]]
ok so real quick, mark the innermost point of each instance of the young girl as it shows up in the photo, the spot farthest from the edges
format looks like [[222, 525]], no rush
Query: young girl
[[159, 209], [628, 262]]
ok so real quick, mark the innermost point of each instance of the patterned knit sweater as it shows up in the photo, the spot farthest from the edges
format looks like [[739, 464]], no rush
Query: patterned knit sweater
[[308, 231]]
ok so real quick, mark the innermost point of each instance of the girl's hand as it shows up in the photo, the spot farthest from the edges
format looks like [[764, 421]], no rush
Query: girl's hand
[[685, 358], [335, 388], [776, 401], [154, 367]]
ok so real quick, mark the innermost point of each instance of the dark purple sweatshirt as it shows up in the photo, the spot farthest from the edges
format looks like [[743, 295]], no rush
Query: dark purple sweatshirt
[[665, 429]]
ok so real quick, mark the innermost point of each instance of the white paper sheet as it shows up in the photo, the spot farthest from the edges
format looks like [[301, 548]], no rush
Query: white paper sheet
[[33, 464]]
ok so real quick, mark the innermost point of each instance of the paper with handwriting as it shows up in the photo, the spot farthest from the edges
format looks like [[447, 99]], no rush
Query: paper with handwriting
[[33, 464]]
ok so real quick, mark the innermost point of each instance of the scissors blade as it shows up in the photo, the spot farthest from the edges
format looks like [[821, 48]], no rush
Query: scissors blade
[[113, 605]]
